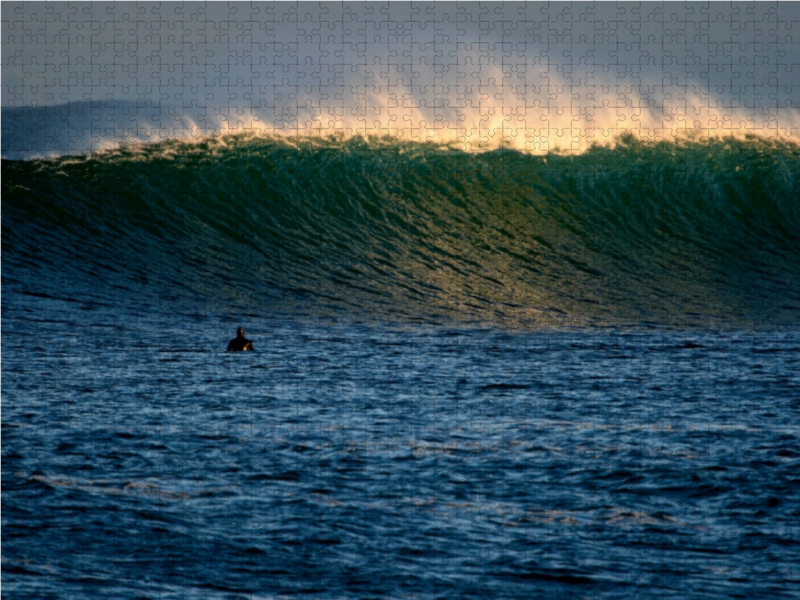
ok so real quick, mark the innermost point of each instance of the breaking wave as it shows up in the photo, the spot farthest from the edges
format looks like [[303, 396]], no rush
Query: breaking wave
[[689, 231]]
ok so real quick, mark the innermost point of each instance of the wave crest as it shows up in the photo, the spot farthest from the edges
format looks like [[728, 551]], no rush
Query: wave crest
[[690, 230]]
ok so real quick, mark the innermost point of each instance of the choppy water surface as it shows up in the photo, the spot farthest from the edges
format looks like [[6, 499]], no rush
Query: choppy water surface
[[356, 461], [485, 375]]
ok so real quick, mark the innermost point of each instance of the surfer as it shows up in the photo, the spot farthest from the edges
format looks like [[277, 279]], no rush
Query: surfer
[[240, 342]]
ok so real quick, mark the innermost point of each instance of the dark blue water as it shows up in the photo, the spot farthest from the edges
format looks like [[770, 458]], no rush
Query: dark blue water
[[365, 460], [487, 375]]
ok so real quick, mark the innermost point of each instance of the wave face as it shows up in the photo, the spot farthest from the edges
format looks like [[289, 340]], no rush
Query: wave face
[[683, 232]]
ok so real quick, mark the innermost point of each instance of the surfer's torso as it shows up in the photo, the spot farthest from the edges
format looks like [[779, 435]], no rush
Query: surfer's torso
[[240, 343]]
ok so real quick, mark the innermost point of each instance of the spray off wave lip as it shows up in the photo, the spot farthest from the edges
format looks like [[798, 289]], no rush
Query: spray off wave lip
[[528, 76]]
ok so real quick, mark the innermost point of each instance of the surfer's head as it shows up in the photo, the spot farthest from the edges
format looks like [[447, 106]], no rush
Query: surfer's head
[[240, 332]]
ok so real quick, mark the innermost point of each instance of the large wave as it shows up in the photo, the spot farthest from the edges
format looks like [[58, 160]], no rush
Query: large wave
[[690, 231]]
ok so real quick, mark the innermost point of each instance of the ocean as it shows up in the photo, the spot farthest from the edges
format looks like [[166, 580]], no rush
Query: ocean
[[477, 374]]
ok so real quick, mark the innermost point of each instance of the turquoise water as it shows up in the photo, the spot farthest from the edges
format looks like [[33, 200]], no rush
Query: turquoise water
[[685, 233]]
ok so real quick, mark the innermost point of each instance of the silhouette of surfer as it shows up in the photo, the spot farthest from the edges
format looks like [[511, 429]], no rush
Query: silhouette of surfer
[[240, 342]]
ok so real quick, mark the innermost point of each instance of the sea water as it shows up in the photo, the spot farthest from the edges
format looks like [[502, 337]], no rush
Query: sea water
[[476, 375]]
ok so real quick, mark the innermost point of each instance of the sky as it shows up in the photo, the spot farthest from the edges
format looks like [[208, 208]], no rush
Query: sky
[[535, 76]]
